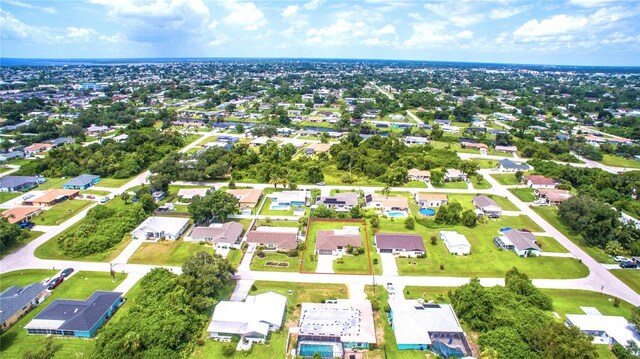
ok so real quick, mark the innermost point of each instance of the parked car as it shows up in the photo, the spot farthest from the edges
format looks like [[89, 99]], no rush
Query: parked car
[[24, 198], [628, 264], [91, 196], [55, 282], [320, 183], [494, 215], [104, 199], [620, 259], [67, 272]]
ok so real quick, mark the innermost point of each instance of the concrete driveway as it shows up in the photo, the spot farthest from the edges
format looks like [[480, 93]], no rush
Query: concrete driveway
[[325, 263], [389, 266]]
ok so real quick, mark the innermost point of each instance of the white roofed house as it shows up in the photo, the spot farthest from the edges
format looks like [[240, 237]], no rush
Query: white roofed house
[[452, 174], [157, 228], [455, 242], [289, 198], [252, 319], [431, 199], [605, 329], [419, 175], [486, 206], [187, 194], [219, 235], [521, 242]]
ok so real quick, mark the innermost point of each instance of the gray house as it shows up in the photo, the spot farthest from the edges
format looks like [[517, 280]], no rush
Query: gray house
[[506, 165], [15, 302], [19, 183]]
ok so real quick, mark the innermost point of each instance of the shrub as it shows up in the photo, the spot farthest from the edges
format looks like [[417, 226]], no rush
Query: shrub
[[200, 342], [441, 266], [293, 253], [228, 349], [375, 260], [409, 223], [434, 240], [253, 288], [616, 302]]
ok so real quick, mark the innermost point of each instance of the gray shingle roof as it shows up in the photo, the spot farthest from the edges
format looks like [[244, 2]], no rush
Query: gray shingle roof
[[521, 240], [15, 298], [408, 242], [16, 181], [81, 180], [507, 163], [484, 201]]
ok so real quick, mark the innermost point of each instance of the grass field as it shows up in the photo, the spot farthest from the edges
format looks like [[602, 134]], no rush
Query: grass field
[[630, 277], [52, 183], [94, 192], [415, 184], [6, 196], [332, 176], [507, 179], [24, 277], [31, 235], [619, 161], [452, 185], [480, 185], [260, 264], [567, 301], [50, 250], [173, 253], [296, 293], [465, 201], [549, 244], [485, 260], [15, 342], [61, 212], [113, 182], [550, 214], [234, 257], [524, 194]]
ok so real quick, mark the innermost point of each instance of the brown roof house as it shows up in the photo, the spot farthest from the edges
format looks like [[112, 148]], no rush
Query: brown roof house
[[220, 235], [21, 214], [537, 181], [247, 198], [335, 242], [389, 204], [52, 197], [274, 238], [419, 175], [431, 199], [403, 245], [552, 197]]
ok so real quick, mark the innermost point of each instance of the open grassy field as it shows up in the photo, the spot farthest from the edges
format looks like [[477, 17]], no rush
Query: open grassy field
[[483, 184], [567, 301], [31, 235], [507, 179], [550, 214], [235, 257], [173, 253], [50, 250], [549, 244], [6, 196], [260, 264], [525, 194], [630, 277], [296, 293], [61, 212], [619, 161], [485, 260], [94, 192], [53, 183], [415, 184], [15, 342], [113, 182], [332, 176], [452, 185], [24, 277], [465, 201]]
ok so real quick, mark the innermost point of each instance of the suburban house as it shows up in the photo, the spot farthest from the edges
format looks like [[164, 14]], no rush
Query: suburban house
[[403, 245], [335, 242], [537, 181], [252, 319], [51, 197], [76, 318], [187, 194], [605, 329], [274, 238], [257, 142], [289, 198], [18, 215], [507, 149], [426, 326], [388, 203], [95, 130], [37, 148], [456, 243], [486, 206], [221, 235], [247, 198], [82, 182], [157, 196], [507, 165], [157, 228], [476, 146], [452, 174], [413, 140], [62, 141], [337, 325], [450, 129], [343, 201], [431, 199], [315, 148], [19, 183], [552, 197], [442, 122], [15, 302], [8, 156], [521, 242], [419, 175]]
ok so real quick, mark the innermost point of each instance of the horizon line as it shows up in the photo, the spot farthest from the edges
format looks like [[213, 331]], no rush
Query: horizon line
[[299, 58]]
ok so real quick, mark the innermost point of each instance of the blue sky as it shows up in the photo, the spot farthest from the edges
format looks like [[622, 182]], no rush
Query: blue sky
[[579, 32]]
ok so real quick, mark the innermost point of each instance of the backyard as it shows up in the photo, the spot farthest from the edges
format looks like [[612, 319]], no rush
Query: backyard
[[465, 201], [15, 342]]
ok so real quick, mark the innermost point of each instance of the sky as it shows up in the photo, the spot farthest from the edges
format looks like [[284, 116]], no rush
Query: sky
[[571, 32]]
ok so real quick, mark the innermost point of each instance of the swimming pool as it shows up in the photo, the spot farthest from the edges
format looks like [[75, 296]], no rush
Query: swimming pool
[[278, 207], [307, 350], [427, 212], [396, 214]]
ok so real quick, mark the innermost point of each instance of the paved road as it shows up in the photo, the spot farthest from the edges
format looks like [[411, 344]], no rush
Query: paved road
[[415, 118], [14, 168]]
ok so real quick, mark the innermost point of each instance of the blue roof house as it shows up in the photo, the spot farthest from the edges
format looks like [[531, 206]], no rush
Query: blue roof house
[[82, 182], [19, 183], [76, 318]]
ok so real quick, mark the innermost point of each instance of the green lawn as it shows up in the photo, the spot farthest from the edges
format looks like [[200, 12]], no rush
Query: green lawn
[[485, 260], [487, 164], [53, 183], [550, 214], [507, 179], [524, 194], [262, 222], [567, 301], [332, 176], [296, 293], [260, 264], [549, 244], [465, 201], [415, 184], [480, 185], [173, 253], [61, 212], [31, 235], [24, 277], [15, 342], [630, 277], [6, 196], [619, 161], [452, 185], [50, 250], [113, 182], [234, 257], [94, 192]]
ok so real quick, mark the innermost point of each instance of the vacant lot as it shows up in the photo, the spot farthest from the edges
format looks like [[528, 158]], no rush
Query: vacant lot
[[6, 196], [61, 212], [630, 277], [524, 194], [507, 179], [465, 201], [172, 253], [51, 250]]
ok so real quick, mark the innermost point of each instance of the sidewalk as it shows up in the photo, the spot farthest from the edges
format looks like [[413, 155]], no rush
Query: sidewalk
[[129, 250]]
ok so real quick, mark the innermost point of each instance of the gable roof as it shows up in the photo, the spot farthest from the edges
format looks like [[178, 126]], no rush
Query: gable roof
[[254, 315], [408, 242], [419, 173], [329, 240], [432, 197], [484, 201], [15, 298], [17, 214], [225, 233], [391, 201], [616, 327], [415, 322], [343, 198], [282, 240], [521, 240], [53, 194], [82, 180], [246, 196], [17, 181], [507, 163], [540, 180]]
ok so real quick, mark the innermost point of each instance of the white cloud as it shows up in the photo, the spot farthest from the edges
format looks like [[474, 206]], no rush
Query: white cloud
[[81, 34], [12, 28], [313, 4], [244, 14], [290, 10], [220, 39], [504, 13], [590, 3], [555, 25], [386, 30], [435, 35], [462, 14], [48, 10], [466, 20], [213, 25]]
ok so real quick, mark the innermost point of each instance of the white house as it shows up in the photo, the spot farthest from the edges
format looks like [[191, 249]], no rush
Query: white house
[[507, 165], [605, 329], [403, 245], [431, 199], [415, 174], [251, 319], [521, 242], [456, 243], [155, 228], [537, 181]]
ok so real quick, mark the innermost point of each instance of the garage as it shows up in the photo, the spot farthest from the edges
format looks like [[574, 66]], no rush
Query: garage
[[386, 250]]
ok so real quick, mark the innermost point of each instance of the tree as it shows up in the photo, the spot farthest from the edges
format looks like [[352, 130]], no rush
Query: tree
[[159, 182], [375, 222], [472, 303], [410, 223], [204, 276], [386, 190], [228, 349], [10, 234], [469, 218], [518, 175], [596, 221], [240, 128], [47, 351], [556, 340], [125, 197], [614, 248], [323, 212], [215, 204], [147, 202], [437, 177], [635, 316]]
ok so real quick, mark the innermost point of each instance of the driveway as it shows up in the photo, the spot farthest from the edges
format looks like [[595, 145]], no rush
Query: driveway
[[325, 263], [389, 266], [242, 290]]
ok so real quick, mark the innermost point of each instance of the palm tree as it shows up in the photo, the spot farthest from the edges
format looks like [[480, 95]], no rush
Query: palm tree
[[125, 197], [386, 190], [132, 342]]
